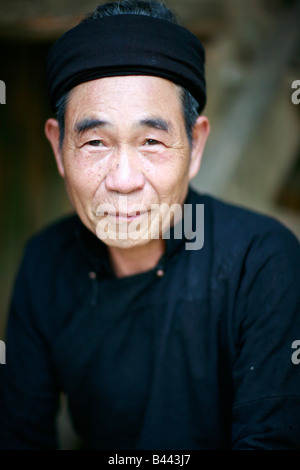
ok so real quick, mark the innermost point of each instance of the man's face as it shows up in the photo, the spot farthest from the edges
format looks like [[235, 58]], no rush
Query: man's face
[[125, 148]]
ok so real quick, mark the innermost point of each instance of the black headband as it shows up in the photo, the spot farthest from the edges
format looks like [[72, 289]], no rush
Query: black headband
[[126, 44]]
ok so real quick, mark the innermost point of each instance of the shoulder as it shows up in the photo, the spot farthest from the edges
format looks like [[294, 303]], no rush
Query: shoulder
[[54, 237], [243, 245], [51, 268], [47, 251], [234, 229]]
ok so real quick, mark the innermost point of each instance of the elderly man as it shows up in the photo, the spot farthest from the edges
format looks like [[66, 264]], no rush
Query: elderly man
[[158, 340]]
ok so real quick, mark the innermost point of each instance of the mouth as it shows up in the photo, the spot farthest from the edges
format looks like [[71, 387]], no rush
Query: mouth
[[122, 213], [125, 217]]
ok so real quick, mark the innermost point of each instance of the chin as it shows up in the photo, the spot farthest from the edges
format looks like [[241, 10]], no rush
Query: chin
[[124, 234], [120, 243]]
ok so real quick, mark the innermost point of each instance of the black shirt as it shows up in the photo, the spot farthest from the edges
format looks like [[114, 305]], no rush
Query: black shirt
[[193, 354]]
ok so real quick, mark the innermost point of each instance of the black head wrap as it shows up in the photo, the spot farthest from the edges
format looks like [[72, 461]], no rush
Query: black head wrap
[[126, 44]]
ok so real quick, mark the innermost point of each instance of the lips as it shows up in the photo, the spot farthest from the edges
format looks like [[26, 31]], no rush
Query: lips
[[121, 212], [127, 216]]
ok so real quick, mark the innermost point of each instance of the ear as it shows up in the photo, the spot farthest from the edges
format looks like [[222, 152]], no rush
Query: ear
[[200, 134], [52, 134]]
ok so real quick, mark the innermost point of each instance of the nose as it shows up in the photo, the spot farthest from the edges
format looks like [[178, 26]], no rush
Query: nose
[[125, 175]]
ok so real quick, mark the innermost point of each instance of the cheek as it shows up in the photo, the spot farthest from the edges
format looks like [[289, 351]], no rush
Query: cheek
[[82, 176], [170, 175], [82, 171]]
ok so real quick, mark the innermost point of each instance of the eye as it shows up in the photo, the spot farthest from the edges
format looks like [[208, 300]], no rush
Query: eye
[[151, 142], [95, 143]]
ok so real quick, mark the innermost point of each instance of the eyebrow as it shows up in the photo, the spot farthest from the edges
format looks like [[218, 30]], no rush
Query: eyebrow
[[156, 123], [89, 123]]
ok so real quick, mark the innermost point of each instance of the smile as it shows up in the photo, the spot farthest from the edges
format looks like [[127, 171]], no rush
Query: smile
[[126, 217]]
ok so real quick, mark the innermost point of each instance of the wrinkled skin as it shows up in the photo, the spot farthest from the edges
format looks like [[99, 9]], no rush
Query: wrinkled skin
[[126, 147]]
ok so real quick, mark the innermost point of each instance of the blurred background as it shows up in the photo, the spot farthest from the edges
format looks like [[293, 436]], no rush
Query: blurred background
[[253, 153]]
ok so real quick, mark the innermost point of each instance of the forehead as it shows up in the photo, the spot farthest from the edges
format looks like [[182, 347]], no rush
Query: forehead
[[126, 96]]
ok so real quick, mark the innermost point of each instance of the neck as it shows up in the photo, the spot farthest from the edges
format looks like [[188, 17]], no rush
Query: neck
[[130, 261]]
